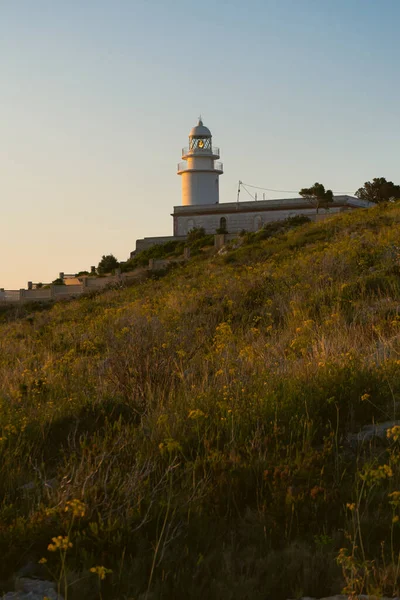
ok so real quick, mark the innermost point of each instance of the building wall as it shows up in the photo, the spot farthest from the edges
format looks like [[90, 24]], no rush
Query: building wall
[[251, 221]]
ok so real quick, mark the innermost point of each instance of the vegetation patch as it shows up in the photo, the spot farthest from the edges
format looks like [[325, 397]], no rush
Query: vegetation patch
[[202, 433]]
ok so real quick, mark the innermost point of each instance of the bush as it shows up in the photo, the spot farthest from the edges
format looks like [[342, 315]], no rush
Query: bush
[[107, 264], [170, 249]]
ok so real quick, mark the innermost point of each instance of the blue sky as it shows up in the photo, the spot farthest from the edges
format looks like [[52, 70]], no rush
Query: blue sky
[[98, 97]]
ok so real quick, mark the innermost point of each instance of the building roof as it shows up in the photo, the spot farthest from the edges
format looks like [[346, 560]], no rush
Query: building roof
[[267, 205], [199, 130]]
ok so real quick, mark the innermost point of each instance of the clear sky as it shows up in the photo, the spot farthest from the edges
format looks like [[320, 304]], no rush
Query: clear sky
[[97, 99]]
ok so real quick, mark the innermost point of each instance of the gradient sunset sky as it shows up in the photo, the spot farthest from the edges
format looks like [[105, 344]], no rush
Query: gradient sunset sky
[[98, 97]]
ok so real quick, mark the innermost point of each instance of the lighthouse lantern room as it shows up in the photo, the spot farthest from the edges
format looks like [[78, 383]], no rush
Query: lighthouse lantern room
[[200, 170]]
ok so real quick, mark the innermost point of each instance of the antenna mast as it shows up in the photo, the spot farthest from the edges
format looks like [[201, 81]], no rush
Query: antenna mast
[[238, 192]]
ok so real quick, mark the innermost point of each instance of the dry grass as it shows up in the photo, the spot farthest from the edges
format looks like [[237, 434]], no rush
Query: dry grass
[[201, 418]]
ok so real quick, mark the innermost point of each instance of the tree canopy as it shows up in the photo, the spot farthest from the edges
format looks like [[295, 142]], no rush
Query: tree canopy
[[107, 264], [317, 195], [378, 190]]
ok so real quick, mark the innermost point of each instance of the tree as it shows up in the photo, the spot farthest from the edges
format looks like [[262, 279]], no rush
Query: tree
[[378, 190], [58, 281], [317, 195], [107, 264]]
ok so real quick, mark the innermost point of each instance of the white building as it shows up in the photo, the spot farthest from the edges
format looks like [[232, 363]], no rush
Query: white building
[[234, 217], [200, 171]]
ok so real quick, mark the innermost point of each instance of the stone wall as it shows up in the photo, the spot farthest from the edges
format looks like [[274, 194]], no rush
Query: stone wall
[[249, 221], [60, 292], [146, 243]]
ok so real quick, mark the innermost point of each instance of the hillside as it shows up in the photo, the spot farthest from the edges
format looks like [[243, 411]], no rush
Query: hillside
[[197, 434]]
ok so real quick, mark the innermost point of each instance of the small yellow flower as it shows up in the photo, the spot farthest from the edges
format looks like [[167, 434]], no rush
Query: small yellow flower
[[101, 571], [351, 506], [393, 433], [59, 543], [196, 414], [76, 507], [374, 475], [394, 499], [43, 561], [395, 519], [365, 397], [170, 445]]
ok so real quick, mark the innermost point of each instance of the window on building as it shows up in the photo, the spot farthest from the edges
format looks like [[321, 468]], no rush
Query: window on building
[[222, 224], [200, 144]]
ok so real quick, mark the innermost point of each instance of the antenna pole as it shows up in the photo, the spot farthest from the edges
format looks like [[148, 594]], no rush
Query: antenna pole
[[238, 192]]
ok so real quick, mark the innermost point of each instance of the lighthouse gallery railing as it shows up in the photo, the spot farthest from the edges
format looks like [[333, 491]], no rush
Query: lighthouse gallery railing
[[206, 151], [182, 166]]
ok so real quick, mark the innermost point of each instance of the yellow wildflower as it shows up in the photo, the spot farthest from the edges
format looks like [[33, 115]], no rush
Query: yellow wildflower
[[76, 507], [196, 414], [101, 571], [59, 543], [393, 433], [395, 499]]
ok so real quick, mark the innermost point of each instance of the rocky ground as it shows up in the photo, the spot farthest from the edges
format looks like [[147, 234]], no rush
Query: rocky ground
[[33, 589], [341, 597]]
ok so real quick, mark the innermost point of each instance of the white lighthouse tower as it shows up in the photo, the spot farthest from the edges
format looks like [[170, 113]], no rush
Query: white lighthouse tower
[[200, 171]]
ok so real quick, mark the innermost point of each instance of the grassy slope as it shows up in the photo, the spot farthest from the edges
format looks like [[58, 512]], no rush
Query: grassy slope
[[202, 420]]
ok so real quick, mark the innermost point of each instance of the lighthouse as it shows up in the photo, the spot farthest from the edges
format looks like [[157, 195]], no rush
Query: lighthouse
[[200, 170]]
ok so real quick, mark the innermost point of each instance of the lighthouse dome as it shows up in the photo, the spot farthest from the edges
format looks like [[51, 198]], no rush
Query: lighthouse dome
[[200, 131]]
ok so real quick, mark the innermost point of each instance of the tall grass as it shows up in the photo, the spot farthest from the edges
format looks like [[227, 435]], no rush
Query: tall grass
[[204, 422]]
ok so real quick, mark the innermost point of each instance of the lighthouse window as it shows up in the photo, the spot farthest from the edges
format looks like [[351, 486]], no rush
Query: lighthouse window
[[200, 144], [222, 224]]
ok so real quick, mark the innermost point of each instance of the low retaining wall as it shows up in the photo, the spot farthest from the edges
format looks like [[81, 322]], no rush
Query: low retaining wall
[[146, 243], [60, 292]]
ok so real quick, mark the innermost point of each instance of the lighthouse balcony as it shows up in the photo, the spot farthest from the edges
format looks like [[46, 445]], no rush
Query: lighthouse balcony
[[213, 152], [183, 168]]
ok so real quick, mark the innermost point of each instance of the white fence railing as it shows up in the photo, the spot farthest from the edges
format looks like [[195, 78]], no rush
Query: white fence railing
[[183, 166]]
